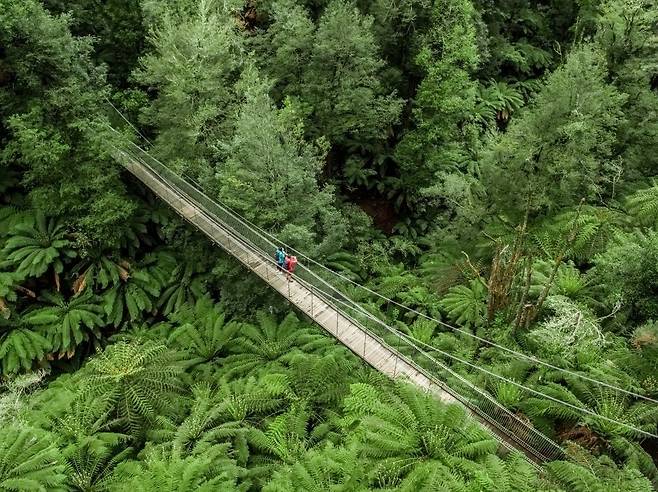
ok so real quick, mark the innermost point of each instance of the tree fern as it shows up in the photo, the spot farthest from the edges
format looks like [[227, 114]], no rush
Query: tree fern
[[67, 323], [202, 332], [407, 429], [223, 414], [186, 285], [466, 305], [642, 205], [322, 381], [600, 475], [8, 287], [320, 470], [270, 345], [89, 469], [30, 461], [87, 422], [635, 456], [286, 436], [594, 227], [129, 299], [20, 347], [208, 469], [497, 101], [601, 401], [33, 247], [139, 380], [99, 271], [11, 216], [347, 264]]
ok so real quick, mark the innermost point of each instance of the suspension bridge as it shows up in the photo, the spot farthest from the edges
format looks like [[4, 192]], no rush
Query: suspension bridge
[[320, 294], [384, 348]]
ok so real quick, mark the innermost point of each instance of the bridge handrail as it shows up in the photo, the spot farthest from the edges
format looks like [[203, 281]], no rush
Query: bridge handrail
[[476, 399]]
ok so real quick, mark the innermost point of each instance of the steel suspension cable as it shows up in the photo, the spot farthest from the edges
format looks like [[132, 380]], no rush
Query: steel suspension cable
[[412, 342], [275, 241]]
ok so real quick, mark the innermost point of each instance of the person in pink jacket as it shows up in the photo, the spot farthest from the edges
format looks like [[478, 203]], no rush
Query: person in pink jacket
[[289, 265]]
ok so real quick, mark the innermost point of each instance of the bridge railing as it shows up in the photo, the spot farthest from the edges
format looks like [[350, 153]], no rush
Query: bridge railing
[[502, 421]]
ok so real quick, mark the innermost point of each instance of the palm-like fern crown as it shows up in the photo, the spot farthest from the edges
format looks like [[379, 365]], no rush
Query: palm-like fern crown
[[139, 290], [600, 474], [33, 246], [99, 270], [320, 470], [223, 414], [286, 437], [202, 329], [602, 401], [186, 285], [271, 344], [90, 467], [20, 346], [643, 205], [207, 469], [30, 460], [67, 323], [466, 305], [138, 379], [409, 429]]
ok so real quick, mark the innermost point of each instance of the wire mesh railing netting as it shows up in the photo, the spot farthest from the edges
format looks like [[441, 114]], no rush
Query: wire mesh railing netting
[[508, 426]]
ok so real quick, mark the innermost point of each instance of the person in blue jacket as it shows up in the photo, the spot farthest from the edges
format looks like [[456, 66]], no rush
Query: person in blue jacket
[[280, 257]]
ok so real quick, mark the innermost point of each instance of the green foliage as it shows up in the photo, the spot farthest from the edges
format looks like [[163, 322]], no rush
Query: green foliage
[[561, 149], [625, 31], [67, 323], [405, 434], [444, 103], [643, 205], [202, 330], [571, 333], [466, 305], [35, 246], [193, 63], [271, 176], [601, 402], [187, 285], [598, 474], [53, 124], [139, 380], [210, 468], [631, 282], [90, 469], [30, 461], [270, 345], [318, 470], [341, 81], [139, 290], [289, 111], [20, 347]]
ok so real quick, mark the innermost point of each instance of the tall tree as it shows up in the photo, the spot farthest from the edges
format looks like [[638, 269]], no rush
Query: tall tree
[[562, 148], [341, 82], [53, 128], [195, 60], [444, 104], [272, 172], [627, 34]]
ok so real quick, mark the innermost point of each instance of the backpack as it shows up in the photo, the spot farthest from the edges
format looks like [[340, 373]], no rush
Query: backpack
[[292, 263]]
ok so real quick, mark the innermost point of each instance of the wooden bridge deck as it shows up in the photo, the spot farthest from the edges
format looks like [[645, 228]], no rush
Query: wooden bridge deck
[[345, 330]]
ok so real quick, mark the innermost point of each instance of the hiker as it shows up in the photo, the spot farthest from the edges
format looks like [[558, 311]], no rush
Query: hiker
[[280, 257], [291, 263]]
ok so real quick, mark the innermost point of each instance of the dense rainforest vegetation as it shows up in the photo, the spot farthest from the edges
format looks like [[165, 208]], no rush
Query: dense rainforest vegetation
[[490, 164]]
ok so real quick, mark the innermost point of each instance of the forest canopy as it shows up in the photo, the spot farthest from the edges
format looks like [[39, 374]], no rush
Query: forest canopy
[[488, 170]]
